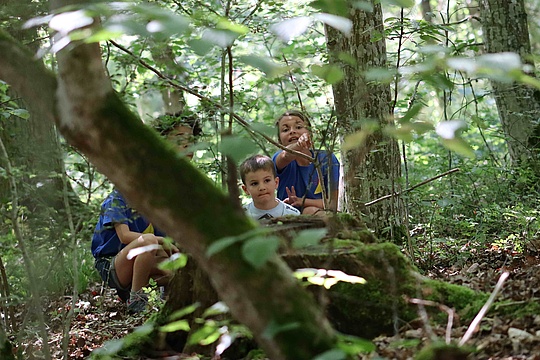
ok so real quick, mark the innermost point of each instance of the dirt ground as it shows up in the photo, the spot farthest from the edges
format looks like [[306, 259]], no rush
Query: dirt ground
[[101, 316]]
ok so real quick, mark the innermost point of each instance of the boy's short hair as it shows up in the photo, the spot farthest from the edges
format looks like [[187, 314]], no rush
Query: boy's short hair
[[166, 123], [255, 163], [293, 112]]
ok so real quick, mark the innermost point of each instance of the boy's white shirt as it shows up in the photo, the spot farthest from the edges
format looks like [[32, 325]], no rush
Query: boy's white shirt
[[281, 209]]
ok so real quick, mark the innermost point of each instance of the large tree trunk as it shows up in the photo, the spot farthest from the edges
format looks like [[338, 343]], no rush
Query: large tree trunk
[[372, 169], [157, 182], [505, 29]]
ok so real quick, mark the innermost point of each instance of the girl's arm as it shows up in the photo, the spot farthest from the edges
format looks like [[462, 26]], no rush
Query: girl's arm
[[302, 145], [126, 236]]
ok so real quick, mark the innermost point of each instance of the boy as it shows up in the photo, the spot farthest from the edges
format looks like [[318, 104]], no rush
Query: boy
[[259, 180], [120, 229]]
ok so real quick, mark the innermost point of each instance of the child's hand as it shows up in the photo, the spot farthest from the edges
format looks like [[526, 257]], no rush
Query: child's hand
[[292, 199], [304, 142]]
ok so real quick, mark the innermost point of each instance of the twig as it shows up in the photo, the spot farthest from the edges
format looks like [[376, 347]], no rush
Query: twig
[[442, 307], [411, 188], [484, 309]]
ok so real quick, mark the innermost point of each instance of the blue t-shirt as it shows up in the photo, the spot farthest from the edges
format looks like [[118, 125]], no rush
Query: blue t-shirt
[[305, 179], [114, 210]]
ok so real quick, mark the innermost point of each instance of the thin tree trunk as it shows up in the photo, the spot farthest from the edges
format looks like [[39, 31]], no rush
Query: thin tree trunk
[[372, 169], [505, 29]]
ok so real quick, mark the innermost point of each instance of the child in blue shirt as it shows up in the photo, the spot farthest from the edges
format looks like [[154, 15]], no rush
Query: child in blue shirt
[[299, 184]]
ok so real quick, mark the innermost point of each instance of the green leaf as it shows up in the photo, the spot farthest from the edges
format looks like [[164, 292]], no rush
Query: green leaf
[[180, 325], [221, 244], [22, 113], [258, 250], [332, 74], [336, 7], [175, 262], [178, 314], [353, 345], [308, 237], [270, 68], [333, 354], [238, 148], [200, 47], [274, 328], [460, 146], [411, 113]]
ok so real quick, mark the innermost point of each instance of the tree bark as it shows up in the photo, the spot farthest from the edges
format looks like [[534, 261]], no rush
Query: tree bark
[[373, 168], [505, 29], [154, 180]]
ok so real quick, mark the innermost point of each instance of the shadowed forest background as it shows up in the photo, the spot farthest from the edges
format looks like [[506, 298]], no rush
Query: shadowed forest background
[[432, 108]]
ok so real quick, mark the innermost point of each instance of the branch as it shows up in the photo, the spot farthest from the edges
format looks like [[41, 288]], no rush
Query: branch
[[411, 188], [220, 107]]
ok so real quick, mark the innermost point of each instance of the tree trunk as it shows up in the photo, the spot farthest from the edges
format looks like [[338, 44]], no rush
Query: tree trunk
[[505, 29], [155, 181], [372, 169]]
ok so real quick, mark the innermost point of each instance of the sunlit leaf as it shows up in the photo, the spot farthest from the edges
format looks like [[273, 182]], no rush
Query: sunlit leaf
[[178, 314], [460, 146], [205, 335], [180, 325], [353, 345], [68, 21], [258, 250], [381, 75], [175, 262], [226, 24], [358, 138], [505, 61], [216, 309], [221, 38], [308, 237], [366, 6], [337, 22], [411, 113], [238, 148], [347, 58], [403, 132], [400, 3], [332, 74], [289, 29], [450, 129]]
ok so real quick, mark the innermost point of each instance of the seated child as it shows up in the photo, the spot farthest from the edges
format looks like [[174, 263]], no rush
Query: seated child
[[259, 180], [121, 229]]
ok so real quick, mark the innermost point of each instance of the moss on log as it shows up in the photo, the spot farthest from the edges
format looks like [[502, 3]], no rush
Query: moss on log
[[380, 305]]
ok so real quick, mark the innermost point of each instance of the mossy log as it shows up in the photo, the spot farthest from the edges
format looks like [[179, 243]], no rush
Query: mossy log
[[379, 306]]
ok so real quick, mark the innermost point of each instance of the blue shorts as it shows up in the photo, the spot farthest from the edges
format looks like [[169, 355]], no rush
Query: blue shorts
[[105, 267]]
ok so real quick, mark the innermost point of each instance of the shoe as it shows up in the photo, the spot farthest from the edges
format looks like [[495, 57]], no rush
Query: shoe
[[138, 304]]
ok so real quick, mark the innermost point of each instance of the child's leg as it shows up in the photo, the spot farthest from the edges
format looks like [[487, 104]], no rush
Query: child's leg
[[140, 268]]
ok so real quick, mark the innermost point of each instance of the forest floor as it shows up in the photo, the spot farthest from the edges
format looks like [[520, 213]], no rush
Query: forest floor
[[101, 317]]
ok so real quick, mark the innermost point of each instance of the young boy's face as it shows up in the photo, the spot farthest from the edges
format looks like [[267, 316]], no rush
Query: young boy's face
[[261, 185], [290, 129], [182, 137]]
